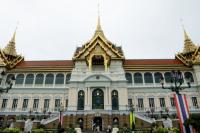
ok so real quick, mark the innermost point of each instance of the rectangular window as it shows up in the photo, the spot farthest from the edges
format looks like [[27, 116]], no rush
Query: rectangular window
[[151, 103], [66, 104], [162, 102], [57, 104], [4, 103], [140, 103], [14, 104], [35, 104], [25, 104], [194, 101], [46, 104], [130, 102], [172, 102]]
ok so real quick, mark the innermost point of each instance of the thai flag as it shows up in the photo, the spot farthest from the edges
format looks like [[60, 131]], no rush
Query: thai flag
[[61, 118], [182, 111]]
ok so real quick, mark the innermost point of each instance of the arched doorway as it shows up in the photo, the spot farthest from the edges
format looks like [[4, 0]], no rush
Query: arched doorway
[[97, 122], [97, 99], [80, 123]]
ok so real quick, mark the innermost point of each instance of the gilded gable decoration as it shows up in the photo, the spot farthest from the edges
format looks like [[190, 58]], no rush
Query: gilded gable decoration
[[191, 52], [9, 56], [99, 45]]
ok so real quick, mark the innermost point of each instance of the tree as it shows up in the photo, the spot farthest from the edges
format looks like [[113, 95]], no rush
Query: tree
[[194, 121]]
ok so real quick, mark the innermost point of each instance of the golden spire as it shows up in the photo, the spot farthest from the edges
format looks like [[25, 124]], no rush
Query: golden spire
[[189, 46], [10, 48], [99, 29], [186, 35]]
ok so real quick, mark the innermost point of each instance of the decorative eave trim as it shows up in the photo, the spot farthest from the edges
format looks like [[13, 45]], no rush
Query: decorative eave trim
[[92, 42]]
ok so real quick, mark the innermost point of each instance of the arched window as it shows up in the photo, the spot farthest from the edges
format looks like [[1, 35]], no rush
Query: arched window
[[59, 79], [81, 97], [80, 122], [148, 78], [115, 121], [157, 77], [115, 101], [39, 79], [97, 99], [188, 75], [10, 76], [138, 78], [19, 79], [167, 77], [68, 77], [29, 79], [49, 79], [128, 77]]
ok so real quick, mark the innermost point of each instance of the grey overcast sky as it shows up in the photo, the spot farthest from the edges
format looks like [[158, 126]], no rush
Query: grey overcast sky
[[52, 29]]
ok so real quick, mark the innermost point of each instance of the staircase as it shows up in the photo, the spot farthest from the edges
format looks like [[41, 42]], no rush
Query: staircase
[[51, 119], [145, 118], [137, 115]]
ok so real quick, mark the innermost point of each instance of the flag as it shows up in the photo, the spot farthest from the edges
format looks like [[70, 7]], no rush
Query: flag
[[183, 112], [61, 118], [132, 120]]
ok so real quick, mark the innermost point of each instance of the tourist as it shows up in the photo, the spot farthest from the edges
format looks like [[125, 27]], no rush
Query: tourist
[[109, 130], [28, 125], [11, 123], [98, 129], [167, 122]]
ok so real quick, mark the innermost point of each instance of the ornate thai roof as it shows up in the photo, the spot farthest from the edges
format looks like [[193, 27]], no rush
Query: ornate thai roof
[[9, 56], [191, 52], [101, 41]]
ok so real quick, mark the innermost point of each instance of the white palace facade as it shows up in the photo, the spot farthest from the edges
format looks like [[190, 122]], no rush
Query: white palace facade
[[99, 85]]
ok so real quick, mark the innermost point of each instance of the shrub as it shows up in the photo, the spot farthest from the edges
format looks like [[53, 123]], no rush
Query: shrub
[[70, 130], [124, 130], [11, 130], [38, 131], [162, 130]]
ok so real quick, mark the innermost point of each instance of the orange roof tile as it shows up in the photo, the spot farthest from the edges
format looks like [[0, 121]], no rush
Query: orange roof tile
[[152, 62], [45, 63], [62, 63]]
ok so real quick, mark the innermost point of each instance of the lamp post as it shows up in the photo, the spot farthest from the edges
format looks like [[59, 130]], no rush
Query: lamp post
[[7, 85], [132, 117], [176, 81], [60, 117]]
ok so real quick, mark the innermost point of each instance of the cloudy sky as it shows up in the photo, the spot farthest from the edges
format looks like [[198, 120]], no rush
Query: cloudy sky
[[52, 29]]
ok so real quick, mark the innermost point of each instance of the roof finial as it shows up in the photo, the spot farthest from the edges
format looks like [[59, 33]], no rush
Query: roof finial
[[186, 37], [10, 48], [188, 44], [98, 21]]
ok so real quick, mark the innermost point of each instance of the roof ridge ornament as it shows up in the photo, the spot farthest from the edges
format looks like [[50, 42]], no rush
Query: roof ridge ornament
[[189, 46], [10, 47], [98, 28]]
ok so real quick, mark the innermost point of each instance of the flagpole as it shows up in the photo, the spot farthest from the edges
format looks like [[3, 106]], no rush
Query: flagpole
[[176, 80]]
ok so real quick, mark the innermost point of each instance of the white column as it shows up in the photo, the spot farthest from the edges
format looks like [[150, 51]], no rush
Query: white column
[[89, 98], [106, 99], [9, 103], [123, 96], [72, 99], [86, 99]]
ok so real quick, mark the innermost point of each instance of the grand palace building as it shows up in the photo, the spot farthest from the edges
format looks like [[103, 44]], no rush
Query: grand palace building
[[98, 85]]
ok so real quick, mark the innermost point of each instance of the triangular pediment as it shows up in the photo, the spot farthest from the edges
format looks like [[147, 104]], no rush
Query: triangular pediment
[[102, 44]]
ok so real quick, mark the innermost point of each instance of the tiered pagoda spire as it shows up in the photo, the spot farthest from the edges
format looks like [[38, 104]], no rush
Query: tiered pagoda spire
[[9, 56]]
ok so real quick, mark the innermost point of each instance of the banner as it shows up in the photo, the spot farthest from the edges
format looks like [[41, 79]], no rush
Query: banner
[[132, 120], [182, 111], [61, 118]]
